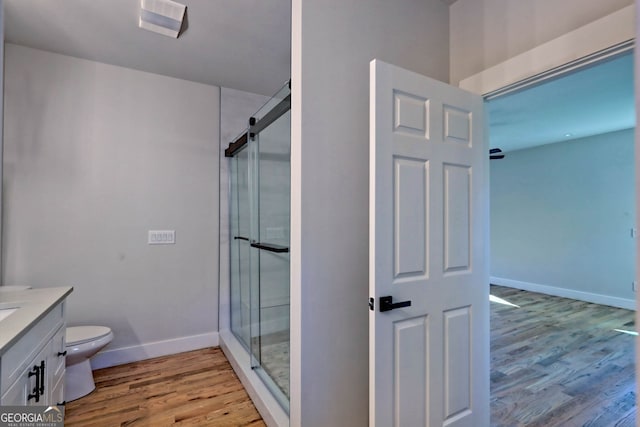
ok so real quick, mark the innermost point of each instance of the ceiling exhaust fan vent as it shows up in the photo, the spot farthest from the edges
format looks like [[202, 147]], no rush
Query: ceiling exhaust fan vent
[[162, 16]]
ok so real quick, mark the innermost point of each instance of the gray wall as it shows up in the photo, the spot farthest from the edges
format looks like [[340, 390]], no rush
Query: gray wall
[[487, 32], [333, 43], [95, 156], [561, 215]]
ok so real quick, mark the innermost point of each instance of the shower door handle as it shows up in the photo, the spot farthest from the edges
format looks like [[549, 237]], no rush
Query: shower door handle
[[270, 247]]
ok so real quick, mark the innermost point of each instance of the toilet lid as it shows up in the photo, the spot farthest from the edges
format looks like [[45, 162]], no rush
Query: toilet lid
[[80, 334]]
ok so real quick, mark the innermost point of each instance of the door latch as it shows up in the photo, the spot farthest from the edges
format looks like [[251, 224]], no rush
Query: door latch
[[387, 304]]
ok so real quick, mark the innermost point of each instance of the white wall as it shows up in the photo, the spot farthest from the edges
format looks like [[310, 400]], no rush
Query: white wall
[[484, 33], [637, 180], [333, 43], [96, 155], [562, 214], [1, 121]]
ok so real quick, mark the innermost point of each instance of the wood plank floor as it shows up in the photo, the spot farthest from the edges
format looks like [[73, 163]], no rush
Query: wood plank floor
[[560, 362], [554, 362], [196, 388]]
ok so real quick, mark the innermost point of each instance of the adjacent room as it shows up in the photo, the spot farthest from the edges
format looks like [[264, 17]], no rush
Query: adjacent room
[[563, 247]]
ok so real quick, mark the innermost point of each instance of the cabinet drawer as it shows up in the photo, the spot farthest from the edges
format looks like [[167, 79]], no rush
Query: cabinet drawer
[[19, 356]]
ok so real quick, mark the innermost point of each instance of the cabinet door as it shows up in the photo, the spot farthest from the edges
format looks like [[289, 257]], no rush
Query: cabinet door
[[17, 394], [57, 393], [31, 386], [38, 384]]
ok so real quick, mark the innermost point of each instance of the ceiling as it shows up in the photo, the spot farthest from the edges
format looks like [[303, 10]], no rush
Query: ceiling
[[589, 102], [240, 44], [245, 45]]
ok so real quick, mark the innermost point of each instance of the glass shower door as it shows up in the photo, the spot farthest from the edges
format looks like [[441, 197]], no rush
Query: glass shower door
[[272, 347], [240, 247], [270, 335], [260, 218]]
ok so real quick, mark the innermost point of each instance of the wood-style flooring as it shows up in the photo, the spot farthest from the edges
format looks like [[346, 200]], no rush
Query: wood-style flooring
[[196, 388], [554, 362], [560, 362]]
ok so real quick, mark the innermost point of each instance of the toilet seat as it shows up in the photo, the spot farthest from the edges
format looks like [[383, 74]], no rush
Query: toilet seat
[[76, 335]]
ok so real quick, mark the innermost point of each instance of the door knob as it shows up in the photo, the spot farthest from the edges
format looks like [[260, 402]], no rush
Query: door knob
[[387, 304]]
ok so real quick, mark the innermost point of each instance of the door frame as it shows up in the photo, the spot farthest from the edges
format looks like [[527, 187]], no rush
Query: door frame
[[605, 38]]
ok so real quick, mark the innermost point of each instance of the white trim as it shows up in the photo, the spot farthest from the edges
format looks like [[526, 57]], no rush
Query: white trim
[[629, 304], [599, 39], [296, 297], [269, 408], [120, 356]]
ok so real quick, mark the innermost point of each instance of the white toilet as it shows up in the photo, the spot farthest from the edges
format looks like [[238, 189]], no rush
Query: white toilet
[[83, 342]]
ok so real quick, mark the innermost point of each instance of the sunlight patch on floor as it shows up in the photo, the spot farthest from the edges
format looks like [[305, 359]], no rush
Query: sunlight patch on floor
[[499, 300], [634, 333]]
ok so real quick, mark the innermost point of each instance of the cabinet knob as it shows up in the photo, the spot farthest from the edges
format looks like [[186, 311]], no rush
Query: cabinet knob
[[62, 353]]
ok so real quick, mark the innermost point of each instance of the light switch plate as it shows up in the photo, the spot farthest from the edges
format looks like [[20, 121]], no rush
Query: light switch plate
[[161, 237]]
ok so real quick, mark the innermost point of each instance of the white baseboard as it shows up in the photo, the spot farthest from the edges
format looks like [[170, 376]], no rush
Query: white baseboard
[[119, 356], [629, 304]]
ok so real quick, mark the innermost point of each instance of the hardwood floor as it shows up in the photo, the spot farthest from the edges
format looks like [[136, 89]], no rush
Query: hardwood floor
[[560, 362], [554, 362], [196, 388]]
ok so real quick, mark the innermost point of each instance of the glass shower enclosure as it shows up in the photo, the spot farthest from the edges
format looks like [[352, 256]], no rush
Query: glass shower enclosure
[[259, 228]]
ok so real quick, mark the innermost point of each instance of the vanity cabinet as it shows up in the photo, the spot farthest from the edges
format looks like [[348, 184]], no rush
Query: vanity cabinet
[[32, 369]]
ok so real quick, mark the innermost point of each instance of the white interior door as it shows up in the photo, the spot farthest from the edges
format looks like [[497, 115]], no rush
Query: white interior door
[[429, 362]]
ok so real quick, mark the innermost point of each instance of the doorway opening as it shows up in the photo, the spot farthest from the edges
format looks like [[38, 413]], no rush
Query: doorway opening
[[563, 225]]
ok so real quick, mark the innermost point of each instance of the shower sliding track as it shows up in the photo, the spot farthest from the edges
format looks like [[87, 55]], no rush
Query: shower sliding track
[[256, 127]]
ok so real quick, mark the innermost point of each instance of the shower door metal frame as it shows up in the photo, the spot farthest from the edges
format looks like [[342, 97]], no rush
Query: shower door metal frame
[[250, 141]]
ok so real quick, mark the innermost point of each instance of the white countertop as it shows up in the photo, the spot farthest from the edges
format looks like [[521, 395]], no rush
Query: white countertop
[[33, 305]]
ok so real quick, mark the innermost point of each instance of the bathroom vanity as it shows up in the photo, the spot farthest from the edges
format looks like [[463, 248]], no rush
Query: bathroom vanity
[[32, 346]]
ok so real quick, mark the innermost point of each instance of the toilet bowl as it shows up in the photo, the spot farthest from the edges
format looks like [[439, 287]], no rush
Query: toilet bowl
[[82, 343]]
